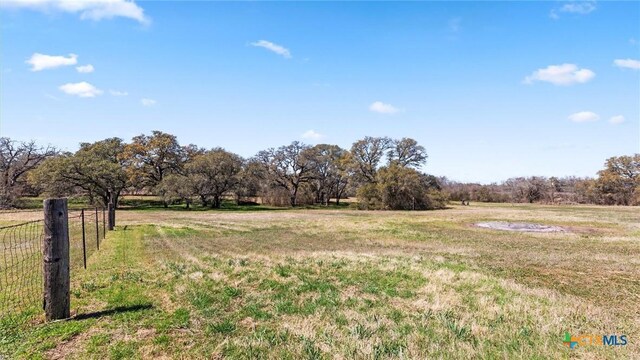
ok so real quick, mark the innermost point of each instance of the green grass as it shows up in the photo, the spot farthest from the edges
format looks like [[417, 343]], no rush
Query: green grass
[[317, 284]]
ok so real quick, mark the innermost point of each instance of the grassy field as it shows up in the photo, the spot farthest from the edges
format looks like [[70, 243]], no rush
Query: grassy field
[[350, 284]]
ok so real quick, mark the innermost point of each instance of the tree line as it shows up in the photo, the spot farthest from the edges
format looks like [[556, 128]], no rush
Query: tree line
[[618, 183], [383, 173]]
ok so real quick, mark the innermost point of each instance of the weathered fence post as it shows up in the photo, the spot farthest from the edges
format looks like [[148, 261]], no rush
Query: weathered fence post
[[84, 242], [104, 224], [97, 231], [111, 215], [55, 251]]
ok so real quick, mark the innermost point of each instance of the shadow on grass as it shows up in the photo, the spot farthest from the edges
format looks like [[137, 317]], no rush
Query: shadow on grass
[[109, 312]]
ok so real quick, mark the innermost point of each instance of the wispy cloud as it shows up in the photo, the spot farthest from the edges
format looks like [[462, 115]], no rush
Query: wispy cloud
[[81, 89], [618, 119], [85, 69], [41, 62], [455, 25], [565, 74], [579, 8], [627, 63], [278, 49], [584, 116], [118, 93], [49, 96], [382, 108], [311, 134], [147, 102], [87, 9]]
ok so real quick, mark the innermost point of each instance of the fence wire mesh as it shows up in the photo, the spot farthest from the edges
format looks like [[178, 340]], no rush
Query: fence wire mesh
[[21, 267], [85, 235], [21, 261]]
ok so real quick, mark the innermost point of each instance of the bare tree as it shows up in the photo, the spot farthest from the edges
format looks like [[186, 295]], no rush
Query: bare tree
[[288, 167], [530, 189], [342, 177], [16, 160], [327, 178], [407, 153], [367, 154]]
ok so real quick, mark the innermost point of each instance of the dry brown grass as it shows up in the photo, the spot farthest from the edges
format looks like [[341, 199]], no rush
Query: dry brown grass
[[358, 284]]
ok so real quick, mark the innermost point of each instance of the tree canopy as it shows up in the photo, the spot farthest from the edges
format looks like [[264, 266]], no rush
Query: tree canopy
[[383, 173]]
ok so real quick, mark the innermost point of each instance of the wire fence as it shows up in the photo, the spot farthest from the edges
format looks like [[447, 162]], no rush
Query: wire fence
[[21, 267], [21, 259]]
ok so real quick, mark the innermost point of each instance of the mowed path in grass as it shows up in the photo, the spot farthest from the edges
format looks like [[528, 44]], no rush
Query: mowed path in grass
[[352, 284]]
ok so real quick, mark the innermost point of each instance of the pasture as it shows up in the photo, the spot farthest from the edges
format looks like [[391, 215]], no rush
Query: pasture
[[340, 283]]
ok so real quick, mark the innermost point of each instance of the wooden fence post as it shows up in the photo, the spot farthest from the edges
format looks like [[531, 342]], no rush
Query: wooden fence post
[[55, 251], [84, 241], [97, 232]]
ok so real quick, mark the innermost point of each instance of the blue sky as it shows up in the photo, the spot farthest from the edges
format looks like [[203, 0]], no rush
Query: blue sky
[[491, 89]]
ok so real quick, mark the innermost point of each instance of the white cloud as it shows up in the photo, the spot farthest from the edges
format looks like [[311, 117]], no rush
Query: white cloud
[[118, 93], [618, 119], [580, 8], [627, 63], [148, 102], [584, 116], [311, 134], [87, 9], [278, 49], [565, 74], [85, 69], [383, 108], [81, 89], [41, 62]]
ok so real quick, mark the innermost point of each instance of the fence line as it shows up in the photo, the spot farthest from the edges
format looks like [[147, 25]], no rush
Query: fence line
[[21, 266], [21, 258]]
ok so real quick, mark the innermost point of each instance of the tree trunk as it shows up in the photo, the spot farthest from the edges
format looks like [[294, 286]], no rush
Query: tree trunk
[[216, 202], [111, 216], [294, 195], [113, 201]]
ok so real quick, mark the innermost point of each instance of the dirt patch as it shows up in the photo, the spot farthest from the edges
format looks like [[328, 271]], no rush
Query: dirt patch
[[68, 347], [521, 227]]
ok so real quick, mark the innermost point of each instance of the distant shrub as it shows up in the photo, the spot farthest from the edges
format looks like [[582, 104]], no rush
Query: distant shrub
[[401, 188]]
